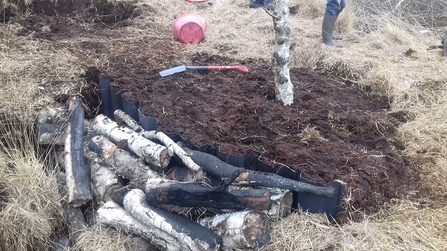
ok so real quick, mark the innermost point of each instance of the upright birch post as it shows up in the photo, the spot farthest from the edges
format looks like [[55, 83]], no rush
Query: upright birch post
[[281, 54]]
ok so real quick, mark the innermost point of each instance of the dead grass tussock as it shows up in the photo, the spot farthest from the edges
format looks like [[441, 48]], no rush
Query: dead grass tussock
[[405, 225], [31, 211], [101, 238]]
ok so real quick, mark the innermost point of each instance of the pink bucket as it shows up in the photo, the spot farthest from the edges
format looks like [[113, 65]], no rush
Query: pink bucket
[[189, 28]]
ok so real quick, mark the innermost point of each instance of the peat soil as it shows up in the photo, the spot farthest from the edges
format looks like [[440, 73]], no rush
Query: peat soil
[[333, 131]]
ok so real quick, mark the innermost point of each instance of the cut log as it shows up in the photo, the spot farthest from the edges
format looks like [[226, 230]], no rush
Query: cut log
[[188, 235], [162, 191], [78, 174], [122, 162], [154, 154], [240, 230], [173, 148], [51, 134], [57, 116], [220, 169], [73, 215], [281, 199], [104, 182], [111, 214]]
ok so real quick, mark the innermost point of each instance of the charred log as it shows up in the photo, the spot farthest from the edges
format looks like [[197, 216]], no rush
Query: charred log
[[162, 191], [220, 169], [78, 174], [73, 215], [188, 235]]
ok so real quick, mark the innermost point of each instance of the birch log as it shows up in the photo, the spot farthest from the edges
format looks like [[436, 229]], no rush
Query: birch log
[[113, 215], [172, 147], [220, 169], [73, 215], [281, 54], [57, 115], [240, 230], [104, 182], [162, 191], [188, 235], [51, 134], [78, 174], [154, 154]]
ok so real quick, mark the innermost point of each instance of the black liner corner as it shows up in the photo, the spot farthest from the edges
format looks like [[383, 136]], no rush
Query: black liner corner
[[112, 99]]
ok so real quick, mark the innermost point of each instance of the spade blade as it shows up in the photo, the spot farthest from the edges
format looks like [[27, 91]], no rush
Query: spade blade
[[174, 70]]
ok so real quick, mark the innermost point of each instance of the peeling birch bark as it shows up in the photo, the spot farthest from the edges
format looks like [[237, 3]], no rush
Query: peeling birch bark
[[188, 235], [281, 54], [111, 214], [240, 230], [172, 147], [78, 174], [122, 162], [154, 154], [104, 182]]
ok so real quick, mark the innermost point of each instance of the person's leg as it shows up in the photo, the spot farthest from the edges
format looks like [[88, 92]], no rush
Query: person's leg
[[333, 9]]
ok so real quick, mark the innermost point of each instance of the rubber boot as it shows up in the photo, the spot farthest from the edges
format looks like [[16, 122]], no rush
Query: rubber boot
[[328, 29]]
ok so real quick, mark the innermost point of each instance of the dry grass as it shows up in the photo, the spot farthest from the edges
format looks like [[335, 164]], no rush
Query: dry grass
[[29, 200], [376, 36]]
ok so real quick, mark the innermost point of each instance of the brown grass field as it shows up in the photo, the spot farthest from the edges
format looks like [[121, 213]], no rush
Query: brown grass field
[[48, 46]]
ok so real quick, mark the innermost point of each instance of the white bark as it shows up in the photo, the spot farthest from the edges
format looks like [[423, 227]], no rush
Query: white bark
[[111, 214], [104, 182], [282, 200], [152, 153], [58, 115], [172, 147], [167, 225], [240, 230], [281, 55]]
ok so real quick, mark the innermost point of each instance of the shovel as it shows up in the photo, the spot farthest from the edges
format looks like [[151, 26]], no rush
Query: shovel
[[183, 68]]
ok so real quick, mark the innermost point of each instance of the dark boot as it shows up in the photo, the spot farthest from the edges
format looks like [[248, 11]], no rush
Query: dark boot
[[328, 29]]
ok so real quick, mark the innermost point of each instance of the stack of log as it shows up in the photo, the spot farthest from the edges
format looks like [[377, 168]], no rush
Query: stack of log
[[147, 184]]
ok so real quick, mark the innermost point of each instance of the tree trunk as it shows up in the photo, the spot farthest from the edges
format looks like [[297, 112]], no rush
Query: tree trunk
[[78, 174], [240, 230], [154, 154], [281, 57], [188, 235]]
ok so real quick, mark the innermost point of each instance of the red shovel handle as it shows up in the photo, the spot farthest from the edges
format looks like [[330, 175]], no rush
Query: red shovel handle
[[240, 68]]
